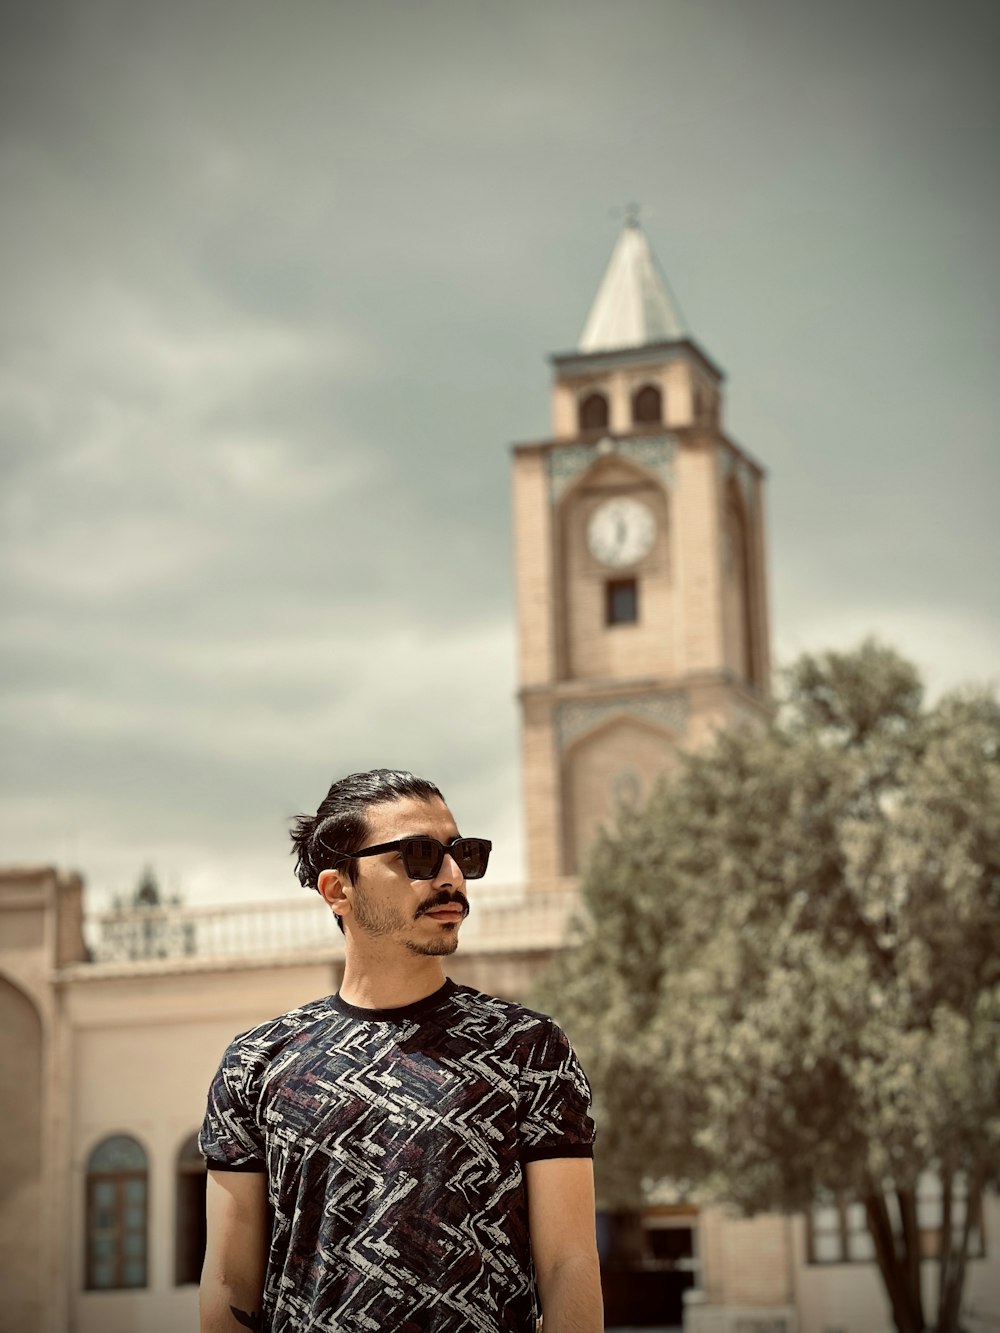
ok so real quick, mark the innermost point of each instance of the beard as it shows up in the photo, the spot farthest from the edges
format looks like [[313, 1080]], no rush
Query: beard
[[380, 921], [376, 919], [445, 943]]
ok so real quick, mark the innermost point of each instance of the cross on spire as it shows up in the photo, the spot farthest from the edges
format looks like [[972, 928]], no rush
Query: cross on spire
[[632, 213]]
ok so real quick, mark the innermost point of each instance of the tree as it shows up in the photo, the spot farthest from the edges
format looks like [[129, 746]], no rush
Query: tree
[[784, 977]]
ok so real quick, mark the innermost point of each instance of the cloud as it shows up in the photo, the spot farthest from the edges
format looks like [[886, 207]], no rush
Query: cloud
[[949, 646], [190, 741], [278, 286]]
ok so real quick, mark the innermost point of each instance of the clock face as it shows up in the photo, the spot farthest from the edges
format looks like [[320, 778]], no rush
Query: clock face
[[620, 532]]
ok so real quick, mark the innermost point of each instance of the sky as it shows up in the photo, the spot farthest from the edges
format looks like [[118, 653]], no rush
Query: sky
[[280, 283]]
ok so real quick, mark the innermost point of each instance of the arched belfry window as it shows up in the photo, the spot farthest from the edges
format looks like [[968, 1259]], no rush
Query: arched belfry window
[[117, 1198], [594, 412], [647, 404], [189, 1251]]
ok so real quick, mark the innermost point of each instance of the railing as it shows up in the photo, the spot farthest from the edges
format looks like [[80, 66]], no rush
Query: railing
[[501, 919]]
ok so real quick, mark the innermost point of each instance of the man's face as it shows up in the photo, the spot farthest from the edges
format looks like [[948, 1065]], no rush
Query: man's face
[[423, 916]]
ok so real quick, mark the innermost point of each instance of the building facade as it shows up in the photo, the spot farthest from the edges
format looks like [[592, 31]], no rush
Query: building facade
[[643, 628]]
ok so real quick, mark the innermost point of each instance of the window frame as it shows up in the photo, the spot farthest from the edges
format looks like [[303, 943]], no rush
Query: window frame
[[611, 588], [648, 390], [119, 1178], [930, 1236], [594, 396]]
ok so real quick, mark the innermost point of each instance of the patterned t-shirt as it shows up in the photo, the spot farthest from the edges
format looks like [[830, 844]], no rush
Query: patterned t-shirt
[[394, 1141]]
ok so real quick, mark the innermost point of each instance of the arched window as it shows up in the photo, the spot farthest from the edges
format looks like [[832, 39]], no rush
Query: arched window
[[594, 412], [189, 1250], [21, 1148], [117, 1189], [647, 404]]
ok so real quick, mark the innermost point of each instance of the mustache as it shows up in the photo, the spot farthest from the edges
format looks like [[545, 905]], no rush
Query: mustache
[[445, 899]]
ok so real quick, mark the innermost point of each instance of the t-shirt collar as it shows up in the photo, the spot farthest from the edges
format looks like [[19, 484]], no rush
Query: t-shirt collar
[[399, 1015]]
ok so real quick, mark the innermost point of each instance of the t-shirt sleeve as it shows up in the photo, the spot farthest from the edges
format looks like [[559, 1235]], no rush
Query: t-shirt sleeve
[[230, 1137], [555, 1100]]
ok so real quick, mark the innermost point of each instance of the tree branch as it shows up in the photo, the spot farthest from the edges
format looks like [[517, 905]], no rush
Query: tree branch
[[950, 1299], [907, 1200], [880, 1227], [945, 1247]]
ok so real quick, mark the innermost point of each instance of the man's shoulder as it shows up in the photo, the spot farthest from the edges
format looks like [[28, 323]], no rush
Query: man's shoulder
[[282, 1028], [521, 1039], [511, 1016]]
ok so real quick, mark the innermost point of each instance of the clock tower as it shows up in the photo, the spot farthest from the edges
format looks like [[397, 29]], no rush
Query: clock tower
[[639, 540]]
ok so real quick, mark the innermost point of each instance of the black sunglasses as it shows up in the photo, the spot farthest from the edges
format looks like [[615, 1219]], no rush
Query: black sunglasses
[[422, 857]]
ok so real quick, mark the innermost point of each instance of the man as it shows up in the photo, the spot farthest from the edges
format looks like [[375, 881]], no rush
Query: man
[[409, 1155]]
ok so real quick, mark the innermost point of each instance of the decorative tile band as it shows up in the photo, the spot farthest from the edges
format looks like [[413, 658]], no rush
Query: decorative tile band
[[575, 717], [567, 462]]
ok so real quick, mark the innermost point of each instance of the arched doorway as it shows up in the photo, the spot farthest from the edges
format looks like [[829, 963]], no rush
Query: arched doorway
[[20, 1159]]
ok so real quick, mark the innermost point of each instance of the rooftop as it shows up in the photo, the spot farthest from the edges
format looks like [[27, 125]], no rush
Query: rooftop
[[634, 305]]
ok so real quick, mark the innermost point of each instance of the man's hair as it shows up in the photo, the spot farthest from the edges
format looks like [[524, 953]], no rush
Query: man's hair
[[324, 841]]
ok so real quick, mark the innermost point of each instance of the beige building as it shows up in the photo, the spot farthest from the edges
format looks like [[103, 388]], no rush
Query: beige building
[[642, 620]]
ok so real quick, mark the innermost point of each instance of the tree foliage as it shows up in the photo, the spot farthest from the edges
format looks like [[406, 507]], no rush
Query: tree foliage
[[784, 977]]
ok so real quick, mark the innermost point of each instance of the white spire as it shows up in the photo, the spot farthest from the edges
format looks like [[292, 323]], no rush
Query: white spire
[[633, 305]]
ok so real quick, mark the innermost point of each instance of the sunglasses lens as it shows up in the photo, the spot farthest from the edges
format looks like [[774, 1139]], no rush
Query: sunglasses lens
[[473, 855], [422, 857]]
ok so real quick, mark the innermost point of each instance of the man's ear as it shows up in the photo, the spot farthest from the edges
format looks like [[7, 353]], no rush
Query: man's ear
[[334, 887]]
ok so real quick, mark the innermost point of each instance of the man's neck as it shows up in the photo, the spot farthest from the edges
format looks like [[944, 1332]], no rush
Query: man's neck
[[377, 983]]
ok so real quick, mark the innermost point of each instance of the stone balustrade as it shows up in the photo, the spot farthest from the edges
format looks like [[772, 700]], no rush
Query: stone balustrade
[[501, 919]]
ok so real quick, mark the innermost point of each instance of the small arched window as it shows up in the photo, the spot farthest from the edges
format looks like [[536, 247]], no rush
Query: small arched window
[[594, 412], [117, 1194], [647, 404], [189, 1251]]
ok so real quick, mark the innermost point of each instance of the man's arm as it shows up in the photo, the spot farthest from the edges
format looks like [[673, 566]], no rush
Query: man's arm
[[232, 1280], [564, 1243]]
